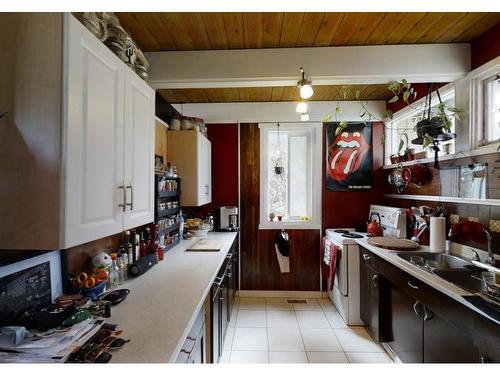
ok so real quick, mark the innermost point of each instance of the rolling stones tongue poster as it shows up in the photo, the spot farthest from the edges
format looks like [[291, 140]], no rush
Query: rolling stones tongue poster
[[349, 157]]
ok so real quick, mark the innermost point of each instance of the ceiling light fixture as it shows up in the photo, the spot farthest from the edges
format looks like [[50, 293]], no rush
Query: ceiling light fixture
[[301, 107], [304, 117], [306, 90]]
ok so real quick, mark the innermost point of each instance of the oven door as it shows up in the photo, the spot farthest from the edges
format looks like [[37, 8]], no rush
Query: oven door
[[341, 267], [341, 272]]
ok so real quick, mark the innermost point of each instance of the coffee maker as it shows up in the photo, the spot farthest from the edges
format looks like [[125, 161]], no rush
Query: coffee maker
[[226, 219]]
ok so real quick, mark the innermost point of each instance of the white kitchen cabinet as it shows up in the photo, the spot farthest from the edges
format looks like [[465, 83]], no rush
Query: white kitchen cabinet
[[78, 155], [191, 152], [93, 144], [108, 146], [139, 151]]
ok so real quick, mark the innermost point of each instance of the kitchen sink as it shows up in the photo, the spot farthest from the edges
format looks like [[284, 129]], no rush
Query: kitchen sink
[[468, 279], [431, 261]]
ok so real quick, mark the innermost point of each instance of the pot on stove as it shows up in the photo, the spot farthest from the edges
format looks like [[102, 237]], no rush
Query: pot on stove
[[374, 228]]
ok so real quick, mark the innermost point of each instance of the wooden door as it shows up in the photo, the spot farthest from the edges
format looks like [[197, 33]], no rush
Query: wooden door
[[139, 151], [406, 327], [444, 342], [93, 138]]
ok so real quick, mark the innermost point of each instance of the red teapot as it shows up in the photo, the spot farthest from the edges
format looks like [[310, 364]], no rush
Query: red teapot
[[373, 227]]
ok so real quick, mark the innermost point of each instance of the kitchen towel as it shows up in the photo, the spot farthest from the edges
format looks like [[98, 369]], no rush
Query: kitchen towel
[[282, 248], [334, 254], [438, 233]]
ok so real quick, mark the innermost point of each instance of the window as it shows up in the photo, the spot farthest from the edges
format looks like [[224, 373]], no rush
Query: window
[[491, 109], [484, 125], [405, 121], [290, 170]]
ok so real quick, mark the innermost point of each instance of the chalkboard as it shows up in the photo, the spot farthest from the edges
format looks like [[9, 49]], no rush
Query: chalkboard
[[26, 290]]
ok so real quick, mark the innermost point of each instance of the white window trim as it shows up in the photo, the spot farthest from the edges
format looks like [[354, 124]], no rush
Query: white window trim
[[476, 104], [445, 92], [316, 180]]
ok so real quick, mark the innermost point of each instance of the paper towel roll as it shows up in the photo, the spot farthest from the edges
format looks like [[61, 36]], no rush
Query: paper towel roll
[[438, 234]]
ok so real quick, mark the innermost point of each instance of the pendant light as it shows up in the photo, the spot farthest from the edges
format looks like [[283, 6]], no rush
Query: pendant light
[[301, 107], [306, 90]]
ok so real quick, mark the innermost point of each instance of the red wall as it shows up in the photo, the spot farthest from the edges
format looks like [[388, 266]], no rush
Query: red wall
[[224, 138], [347, 209], [485, 47]]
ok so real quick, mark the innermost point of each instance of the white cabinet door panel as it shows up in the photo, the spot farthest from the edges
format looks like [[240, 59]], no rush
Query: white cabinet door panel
[[93, 146], [139, 151]]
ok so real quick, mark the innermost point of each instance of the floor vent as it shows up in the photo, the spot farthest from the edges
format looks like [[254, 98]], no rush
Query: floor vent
[[296, 301]]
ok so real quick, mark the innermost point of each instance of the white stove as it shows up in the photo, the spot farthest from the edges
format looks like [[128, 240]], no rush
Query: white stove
[[345, 292]]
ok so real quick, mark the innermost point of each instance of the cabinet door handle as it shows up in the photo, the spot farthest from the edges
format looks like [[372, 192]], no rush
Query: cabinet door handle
[[416, 305], [131, 204], [412, 286], [366, 257], [428, 314], [375, 281], [123, 205]]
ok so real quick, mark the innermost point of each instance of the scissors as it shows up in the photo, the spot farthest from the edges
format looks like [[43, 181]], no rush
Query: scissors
[[85, 281]]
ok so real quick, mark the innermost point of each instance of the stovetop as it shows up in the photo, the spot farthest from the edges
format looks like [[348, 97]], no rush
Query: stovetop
[[344, 236]]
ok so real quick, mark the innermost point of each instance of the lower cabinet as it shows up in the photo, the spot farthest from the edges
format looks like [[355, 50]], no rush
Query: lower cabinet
[[406, 326], [421, 324], [222, 301], [373, 298], [193, 350]]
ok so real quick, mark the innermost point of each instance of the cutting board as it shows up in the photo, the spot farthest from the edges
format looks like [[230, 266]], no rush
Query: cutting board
[[391, 243], [207, 245]]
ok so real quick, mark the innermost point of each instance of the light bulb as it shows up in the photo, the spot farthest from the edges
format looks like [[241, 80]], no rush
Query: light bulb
[[301, 107], [304, 117], [306, 91]]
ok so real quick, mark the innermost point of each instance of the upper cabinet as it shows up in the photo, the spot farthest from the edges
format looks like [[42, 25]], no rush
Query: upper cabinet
[[100, 124], [191, 152], [109, 141]]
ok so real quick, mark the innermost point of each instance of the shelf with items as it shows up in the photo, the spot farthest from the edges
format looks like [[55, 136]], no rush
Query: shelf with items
[[167, 201], [167, 212], [169, 229]]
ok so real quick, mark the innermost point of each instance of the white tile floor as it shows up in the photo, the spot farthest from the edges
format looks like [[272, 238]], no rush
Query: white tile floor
[[271, 330]]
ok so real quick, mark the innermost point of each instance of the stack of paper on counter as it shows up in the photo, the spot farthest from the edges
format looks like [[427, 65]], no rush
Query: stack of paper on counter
[[49, 346]]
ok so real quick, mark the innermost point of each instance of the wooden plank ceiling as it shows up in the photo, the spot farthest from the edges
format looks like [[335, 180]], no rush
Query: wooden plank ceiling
[[203, 31], [273, 94]]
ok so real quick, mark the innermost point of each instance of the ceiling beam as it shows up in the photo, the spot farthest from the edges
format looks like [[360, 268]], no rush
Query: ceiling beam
[[325, 65], [277, 111]]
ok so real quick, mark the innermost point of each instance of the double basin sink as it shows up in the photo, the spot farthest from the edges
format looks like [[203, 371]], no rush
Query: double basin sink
[[451, 268]]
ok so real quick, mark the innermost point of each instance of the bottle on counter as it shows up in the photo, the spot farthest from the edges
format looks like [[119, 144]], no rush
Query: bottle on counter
[[181, 224], [114, 273], [135, 243], [142, 246], [127, 245], [123, 264]]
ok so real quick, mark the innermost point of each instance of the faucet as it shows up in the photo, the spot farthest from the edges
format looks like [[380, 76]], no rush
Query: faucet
[[491, 258]]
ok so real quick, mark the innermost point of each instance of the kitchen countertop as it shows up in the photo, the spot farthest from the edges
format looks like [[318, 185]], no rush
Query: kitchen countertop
[[433, 280], [163, 303]]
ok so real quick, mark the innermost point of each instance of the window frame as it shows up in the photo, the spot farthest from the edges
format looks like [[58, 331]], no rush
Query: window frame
[[315, 130], [446, 93], [477, 121]]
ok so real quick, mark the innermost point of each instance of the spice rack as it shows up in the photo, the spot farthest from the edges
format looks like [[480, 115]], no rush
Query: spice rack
[[167, 202]]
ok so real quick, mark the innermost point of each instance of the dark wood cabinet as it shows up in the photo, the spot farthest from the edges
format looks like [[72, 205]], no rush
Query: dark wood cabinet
[[223, 297], [406, 326], [445, 341], [372, 303], [420, 323]]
